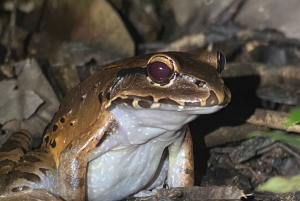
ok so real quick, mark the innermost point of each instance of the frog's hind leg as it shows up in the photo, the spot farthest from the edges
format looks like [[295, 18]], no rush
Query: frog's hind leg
[[177, 164], [11, 152], [20, 168], [18, 144]]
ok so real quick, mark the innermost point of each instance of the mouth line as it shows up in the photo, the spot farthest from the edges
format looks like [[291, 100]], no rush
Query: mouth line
[[162, 104]]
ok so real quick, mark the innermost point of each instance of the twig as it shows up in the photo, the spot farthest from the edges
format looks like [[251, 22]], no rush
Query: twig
[[272, 119]]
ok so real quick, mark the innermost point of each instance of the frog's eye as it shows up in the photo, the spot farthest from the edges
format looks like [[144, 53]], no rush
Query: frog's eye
[[160, 69], [221, 61], [214, 58]]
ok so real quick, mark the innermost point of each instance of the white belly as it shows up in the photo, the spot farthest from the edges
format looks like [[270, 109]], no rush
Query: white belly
[[126, 171]]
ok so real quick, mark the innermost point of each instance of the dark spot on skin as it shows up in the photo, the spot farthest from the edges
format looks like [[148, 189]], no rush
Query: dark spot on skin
[[30, 159], [62, 120], [46, 139], [100, 97], [7, 162], [167, 101], [72, 123], [185, 170], [54, 128], [53, 143], [144, 104], [44, 170], [10, 145], [31, 177], [212, 99], [108, 95], [17, 174]]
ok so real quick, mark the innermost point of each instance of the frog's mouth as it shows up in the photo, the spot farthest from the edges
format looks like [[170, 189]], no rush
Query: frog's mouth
[[167, 104]]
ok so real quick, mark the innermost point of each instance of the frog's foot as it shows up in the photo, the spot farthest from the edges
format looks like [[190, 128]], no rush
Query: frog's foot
[[147, 193]]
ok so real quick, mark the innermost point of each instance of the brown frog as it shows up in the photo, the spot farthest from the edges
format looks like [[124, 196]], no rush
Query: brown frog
[[124, 129]]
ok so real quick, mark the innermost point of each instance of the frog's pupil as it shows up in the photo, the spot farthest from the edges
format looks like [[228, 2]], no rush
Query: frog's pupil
[[222, 61], [159, 71]]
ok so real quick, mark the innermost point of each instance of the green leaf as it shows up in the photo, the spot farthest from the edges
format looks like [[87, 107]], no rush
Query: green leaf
[[280, 184], [294, 117]]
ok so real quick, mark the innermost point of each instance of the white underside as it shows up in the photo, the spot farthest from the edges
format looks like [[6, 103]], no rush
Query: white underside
[[129, 157]]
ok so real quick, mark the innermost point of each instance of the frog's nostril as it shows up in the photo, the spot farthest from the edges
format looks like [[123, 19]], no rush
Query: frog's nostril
[[199, 83]]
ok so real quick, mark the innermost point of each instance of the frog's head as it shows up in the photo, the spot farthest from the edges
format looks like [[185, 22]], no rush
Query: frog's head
[[172, 81]]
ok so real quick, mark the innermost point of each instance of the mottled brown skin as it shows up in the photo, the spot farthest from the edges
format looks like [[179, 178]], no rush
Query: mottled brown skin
[[83, 116], [14, 149], [80, 108]]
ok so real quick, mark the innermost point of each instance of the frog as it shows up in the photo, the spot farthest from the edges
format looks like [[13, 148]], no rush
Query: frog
[[123, 130]]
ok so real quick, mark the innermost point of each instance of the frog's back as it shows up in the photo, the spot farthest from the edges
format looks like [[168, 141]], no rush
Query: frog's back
[[83, 105]]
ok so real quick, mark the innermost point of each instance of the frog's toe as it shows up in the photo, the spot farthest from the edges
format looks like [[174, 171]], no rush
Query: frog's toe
[[145, 193], [162, 194]]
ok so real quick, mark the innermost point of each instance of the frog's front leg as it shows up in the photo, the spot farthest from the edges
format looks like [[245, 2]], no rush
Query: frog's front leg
[[72, 169], [181, 162]]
